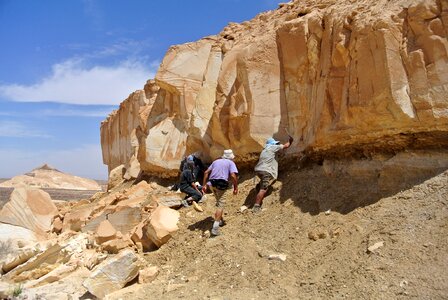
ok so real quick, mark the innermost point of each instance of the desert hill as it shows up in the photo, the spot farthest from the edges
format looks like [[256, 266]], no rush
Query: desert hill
[[46, 176]]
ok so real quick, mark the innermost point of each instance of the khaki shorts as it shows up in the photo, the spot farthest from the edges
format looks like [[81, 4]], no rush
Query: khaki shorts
[[221, 196], [266, 179]]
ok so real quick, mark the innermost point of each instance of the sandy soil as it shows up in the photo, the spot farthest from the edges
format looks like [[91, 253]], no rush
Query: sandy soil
[[326, 253]]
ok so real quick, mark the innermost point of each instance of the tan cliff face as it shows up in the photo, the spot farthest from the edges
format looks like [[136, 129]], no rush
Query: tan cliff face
[[342, 75]]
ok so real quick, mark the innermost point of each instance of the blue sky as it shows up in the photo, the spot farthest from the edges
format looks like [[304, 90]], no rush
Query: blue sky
[[65, 65]]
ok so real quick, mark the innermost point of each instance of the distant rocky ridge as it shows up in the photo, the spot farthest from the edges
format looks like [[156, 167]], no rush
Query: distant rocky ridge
[[347, 77], [51, 178]]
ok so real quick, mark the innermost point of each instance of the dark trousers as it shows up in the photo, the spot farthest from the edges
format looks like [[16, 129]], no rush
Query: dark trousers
[[191, 192]]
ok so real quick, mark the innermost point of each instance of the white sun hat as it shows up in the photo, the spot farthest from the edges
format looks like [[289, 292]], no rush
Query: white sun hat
[[228, 154]]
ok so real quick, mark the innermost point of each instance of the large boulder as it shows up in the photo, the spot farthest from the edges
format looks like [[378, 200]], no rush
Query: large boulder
[[113, 274], [344, 78], [16, 237], [29, 208], [162, 225]]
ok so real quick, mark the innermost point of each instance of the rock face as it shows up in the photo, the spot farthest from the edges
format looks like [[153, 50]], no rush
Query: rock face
[[344, 76], [49, 177], [29, 208]]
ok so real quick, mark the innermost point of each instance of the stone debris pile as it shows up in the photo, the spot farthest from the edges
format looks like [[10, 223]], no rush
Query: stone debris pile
[[102, 238]]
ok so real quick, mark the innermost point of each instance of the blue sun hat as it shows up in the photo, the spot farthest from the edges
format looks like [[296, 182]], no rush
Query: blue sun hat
[[272, 141]]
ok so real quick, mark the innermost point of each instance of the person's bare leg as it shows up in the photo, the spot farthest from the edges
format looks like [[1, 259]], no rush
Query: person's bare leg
[[217, 222], [218, 214], [260, 196]]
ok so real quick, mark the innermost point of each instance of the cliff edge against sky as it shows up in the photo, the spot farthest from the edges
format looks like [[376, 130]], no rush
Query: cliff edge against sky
[[347, 77]]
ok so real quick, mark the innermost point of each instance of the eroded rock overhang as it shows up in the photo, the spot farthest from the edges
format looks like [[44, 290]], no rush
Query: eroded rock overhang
[[345, 79]]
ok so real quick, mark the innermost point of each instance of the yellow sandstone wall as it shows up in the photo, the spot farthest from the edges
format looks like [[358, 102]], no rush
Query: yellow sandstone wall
[[364, 76]]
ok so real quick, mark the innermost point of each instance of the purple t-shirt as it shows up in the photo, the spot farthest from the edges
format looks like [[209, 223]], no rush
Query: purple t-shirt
[[221, 169]]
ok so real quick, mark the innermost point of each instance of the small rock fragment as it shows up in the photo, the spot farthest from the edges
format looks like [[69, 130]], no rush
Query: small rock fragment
[[57, 225], [197, 207], [403, 283], [105, 232], [92, 259], [114, 246], [147, 275], [375, 247], [279, 257], [317, 233], [335, 232], [5, 290]]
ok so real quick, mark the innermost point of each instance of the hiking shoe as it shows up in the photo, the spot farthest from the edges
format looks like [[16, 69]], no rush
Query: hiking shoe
[[204, 197], [185, 203], [215, 232], [256, 209]]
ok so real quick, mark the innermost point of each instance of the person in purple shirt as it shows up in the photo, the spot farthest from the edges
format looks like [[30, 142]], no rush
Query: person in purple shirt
[[219, 173]]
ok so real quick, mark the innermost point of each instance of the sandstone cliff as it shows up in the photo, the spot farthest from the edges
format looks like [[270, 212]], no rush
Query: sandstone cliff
[[345, 76]]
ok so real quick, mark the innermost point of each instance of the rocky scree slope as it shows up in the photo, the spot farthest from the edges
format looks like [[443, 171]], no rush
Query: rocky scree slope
[[393, 249]]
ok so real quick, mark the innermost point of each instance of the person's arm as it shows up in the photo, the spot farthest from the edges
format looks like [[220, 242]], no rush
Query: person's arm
[[235, 183], [204, 186], [193, 185], [191, 181], [288, 143]]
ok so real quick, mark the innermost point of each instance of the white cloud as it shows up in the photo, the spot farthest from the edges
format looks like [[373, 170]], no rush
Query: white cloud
[[19, 130], [72, 82], [93, 113], [85, 161], [63, 112]]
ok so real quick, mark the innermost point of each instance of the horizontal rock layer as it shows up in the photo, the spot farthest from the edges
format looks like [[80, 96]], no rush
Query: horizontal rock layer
[[339, 76]]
